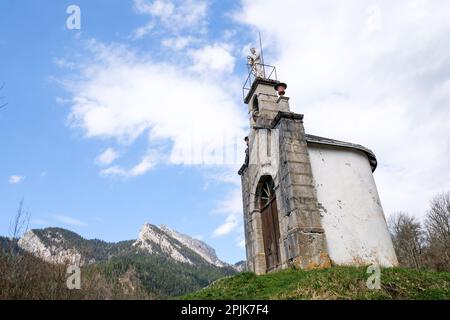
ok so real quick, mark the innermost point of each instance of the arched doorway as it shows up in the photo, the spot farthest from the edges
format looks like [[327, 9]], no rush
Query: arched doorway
[[267, 203]]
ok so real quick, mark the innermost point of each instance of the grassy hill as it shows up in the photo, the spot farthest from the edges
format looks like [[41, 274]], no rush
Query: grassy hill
[[333, 283]]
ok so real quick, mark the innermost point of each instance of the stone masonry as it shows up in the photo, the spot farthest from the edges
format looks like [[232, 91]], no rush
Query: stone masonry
[[278, 150]]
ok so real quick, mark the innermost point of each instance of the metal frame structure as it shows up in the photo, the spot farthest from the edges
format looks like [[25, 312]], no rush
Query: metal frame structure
[[271, 71]]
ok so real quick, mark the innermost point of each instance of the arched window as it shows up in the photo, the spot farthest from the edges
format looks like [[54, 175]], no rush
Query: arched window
[[266, 192]]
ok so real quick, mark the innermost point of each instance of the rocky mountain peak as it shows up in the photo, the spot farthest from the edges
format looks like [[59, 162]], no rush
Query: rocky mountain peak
[[49, 246], [196, 245], [152, 239]]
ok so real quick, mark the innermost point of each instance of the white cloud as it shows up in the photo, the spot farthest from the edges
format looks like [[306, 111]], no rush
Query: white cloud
[[114, 171], [147, 163], [63, 63], [107, 157], [196, 115], [156, 8], [213, 58], [15, 179], [144, 30], [190, 113], [144, 166], [374, 75], [69, 220], [231, 206], [173, 16], [227, 227], [240, 241], [225, 174], [178, 43]]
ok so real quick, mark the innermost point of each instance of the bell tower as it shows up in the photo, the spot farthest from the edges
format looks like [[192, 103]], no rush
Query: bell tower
[[281, 212]]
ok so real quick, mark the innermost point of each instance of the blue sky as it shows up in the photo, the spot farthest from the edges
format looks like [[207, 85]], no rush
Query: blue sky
[[126, 120], [62, 184]]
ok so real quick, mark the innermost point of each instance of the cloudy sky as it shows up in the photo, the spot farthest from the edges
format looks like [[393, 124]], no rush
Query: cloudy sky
[[138, 116]]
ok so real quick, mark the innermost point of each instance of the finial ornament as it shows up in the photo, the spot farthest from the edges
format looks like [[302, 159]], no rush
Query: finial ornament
[[281, 88]]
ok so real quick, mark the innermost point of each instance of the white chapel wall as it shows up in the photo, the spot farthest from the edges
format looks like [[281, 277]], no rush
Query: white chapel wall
[[351, 211]]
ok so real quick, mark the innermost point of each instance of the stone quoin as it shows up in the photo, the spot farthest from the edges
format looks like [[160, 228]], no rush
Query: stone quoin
[[308, 201]]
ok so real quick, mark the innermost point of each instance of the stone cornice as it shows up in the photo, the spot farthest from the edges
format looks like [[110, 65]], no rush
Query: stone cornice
[[285, 115], [255, 84]]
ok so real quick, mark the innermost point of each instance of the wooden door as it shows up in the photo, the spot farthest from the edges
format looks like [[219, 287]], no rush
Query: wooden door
[[271, 234]]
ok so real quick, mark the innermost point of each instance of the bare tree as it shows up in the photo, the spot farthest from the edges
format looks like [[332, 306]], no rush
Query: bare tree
[[14, 259], [2, 105], [408, 239], [18, 225], [437, 224]]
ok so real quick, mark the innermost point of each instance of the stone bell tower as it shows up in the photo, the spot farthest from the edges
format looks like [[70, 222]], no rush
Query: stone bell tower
[[281, 212]]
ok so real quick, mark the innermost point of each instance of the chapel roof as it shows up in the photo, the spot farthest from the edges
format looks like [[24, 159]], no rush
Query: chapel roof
[[331, 142]]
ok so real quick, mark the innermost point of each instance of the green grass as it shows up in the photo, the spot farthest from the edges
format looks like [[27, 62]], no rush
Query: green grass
[[332, 283]]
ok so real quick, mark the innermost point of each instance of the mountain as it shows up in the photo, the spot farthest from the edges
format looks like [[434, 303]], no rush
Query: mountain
[[5, 243], [55, 245], [161, 261], [241, 266], [198, 246], [59, 246]]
